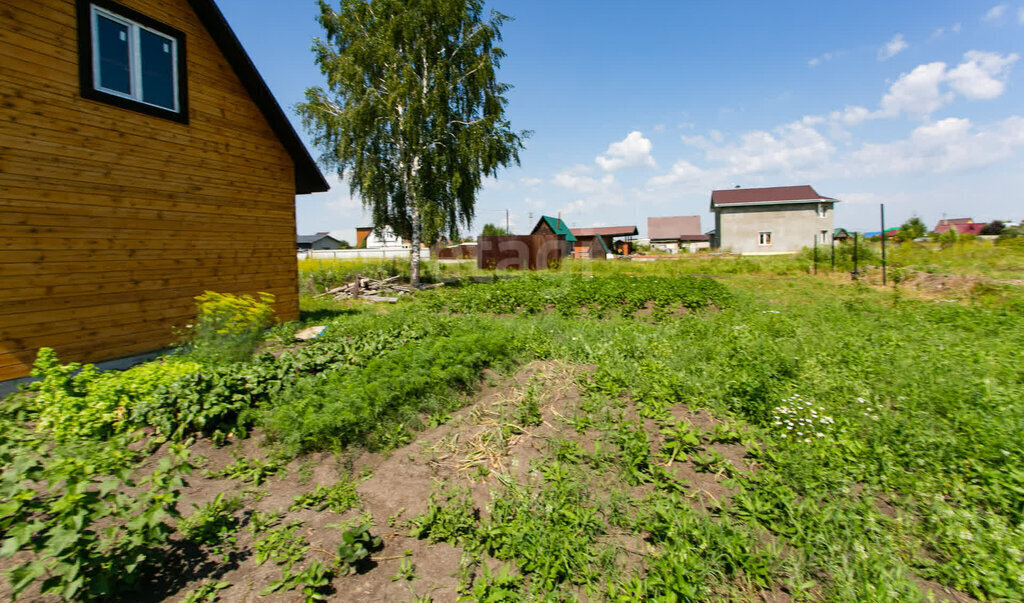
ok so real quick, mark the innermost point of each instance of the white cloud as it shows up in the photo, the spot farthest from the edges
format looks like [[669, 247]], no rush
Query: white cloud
[[791, 147], [995, 13], [824, 58], [682, 172], [794, 149], [982, 76], [941, 31], [951, 144], [852, 115], [928, 87], [892, 48], [577, 180], [532, 182], [632, 151], [917, 93]]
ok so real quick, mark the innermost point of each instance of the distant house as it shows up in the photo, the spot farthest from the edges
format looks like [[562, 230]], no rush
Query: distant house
[[840, 234], [780, 219], [676, 233], [386, 239], [964, 226], [144, 161], [557, 227], [320, 240], [600, 242]]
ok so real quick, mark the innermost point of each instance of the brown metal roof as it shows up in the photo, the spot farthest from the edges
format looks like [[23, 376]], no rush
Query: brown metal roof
[[774, 194], [673, 227], [606, 231]]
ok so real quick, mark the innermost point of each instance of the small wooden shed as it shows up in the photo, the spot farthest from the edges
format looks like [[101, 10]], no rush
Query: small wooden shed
[[144, 160]]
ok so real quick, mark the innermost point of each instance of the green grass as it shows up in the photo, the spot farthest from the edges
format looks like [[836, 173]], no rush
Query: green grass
[[886, 429]]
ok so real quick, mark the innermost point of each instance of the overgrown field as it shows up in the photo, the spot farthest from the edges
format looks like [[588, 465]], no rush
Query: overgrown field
[[636, 437]]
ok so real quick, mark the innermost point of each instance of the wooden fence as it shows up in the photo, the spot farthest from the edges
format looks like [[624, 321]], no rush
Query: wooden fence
[[526, 252]]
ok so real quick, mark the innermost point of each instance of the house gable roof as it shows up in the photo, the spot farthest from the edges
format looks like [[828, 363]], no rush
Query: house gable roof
[[308, 178], [673, 228], [764, 196], [314, 238], [557, 226], [606, 231]]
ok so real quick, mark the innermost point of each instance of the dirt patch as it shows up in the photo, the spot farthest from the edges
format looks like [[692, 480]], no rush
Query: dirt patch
[[934, 591], [707, 489]]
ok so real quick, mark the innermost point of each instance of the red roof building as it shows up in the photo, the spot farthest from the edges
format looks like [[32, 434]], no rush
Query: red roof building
[[964, 226]]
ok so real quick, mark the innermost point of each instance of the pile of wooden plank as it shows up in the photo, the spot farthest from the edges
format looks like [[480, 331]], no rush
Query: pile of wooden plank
[[374, 290]]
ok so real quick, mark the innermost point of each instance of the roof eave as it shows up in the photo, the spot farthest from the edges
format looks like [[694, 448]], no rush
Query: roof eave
[[787, 202]]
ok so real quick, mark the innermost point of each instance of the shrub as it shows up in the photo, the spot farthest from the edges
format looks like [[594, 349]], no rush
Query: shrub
[[75, 401], [228, 327]]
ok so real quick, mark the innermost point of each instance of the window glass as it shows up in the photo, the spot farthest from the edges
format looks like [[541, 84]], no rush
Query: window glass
[[157, 66], [114, 66]]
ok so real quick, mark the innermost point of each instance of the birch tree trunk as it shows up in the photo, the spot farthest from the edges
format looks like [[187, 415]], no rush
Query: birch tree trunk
[[413, 196]]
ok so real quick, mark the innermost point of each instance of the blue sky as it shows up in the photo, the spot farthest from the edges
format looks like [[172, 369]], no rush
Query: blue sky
[[641, 109]]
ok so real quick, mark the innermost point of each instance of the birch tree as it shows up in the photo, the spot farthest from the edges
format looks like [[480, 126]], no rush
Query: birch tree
[[413, 115]]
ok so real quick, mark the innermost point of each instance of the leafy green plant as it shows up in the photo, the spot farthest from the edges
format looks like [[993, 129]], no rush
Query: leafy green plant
[[355, 547], [248, 470], [339, 498], [68, 512], [450, 516], [311, 582], [207, 592], [406, 570], [214, 525], [281, 545], [75, 401], [680, 440], [528, 411]]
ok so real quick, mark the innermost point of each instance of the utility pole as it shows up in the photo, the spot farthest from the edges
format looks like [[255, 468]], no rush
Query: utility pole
[[855, 237], [882, 206], [507, 231], [833, 251], [815, 254]]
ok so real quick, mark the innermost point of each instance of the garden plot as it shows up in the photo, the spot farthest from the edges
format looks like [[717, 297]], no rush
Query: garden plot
[[783, 439]]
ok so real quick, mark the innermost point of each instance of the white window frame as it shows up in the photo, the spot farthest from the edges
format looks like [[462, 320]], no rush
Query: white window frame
[[822, 210], [823, 237], [764, 239], [134, 58]]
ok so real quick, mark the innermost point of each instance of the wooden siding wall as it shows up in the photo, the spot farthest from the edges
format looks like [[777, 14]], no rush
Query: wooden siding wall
[[111, 221]]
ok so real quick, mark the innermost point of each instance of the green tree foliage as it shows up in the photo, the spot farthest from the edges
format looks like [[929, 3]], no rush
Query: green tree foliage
[[912, 229], [490, 230], [413, 110], [994, 227]]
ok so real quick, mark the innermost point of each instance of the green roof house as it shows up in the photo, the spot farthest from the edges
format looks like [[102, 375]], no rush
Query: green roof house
[[553, 226]]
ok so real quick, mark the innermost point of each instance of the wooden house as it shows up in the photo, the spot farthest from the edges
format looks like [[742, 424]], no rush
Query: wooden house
[[548, 226], [599, 242], [143, 160]]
